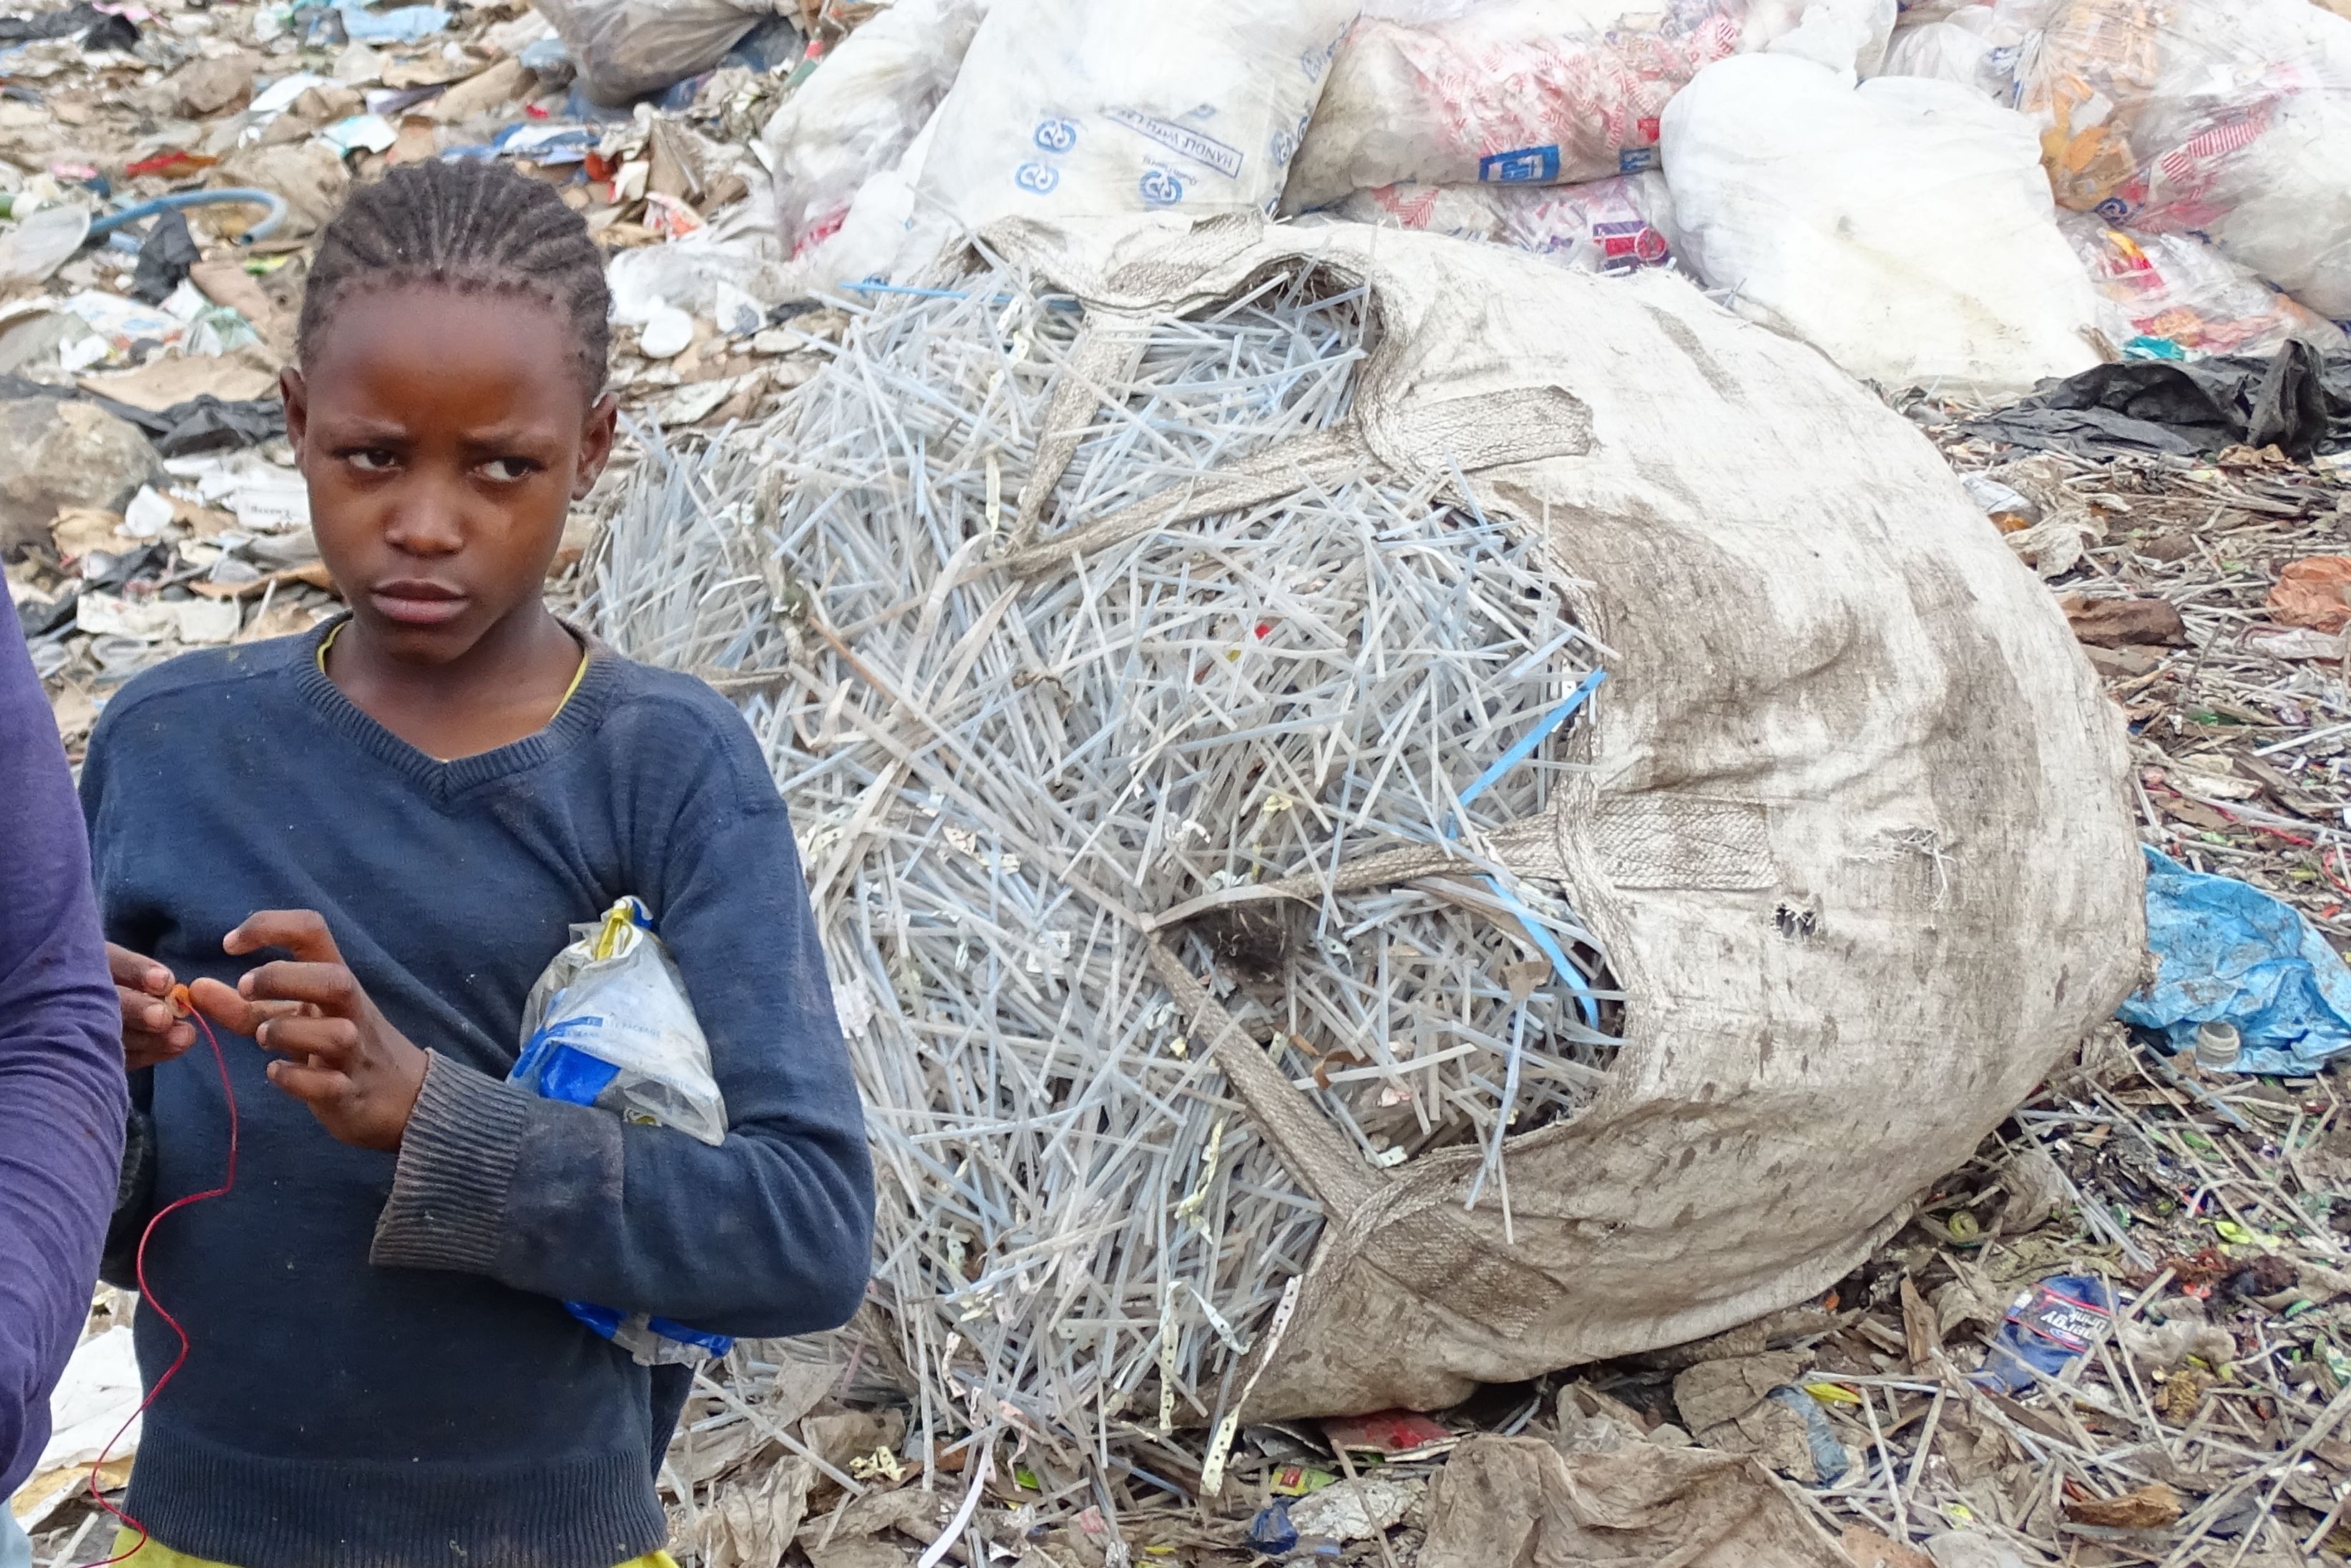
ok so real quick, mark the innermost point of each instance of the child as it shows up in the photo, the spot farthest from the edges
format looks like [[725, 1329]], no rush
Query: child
[[414, 803]]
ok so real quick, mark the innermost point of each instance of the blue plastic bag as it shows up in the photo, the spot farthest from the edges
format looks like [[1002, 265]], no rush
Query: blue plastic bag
[[2226, 951]]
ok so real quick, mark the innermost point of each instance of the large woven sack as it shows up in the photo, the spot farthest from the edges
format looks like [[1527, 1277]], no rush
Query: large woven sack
[[1854, 836]]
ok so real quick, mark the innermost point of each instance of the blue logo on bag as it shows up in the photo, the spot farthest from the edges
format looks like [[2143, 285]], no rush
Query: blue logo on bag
[[1637, 159], [1527, 165], [1057, 135], [1036, 178], [1160, 188]]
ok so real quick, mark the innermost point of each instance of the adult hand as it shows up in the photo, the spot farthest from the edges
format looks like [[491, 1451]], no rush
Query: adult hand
[[150, 1032], [358, 1074]]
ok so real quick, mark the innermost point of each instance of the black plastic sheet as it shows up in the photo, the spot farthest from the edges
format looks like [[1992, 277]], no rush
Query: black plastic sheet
[[2298, 401]]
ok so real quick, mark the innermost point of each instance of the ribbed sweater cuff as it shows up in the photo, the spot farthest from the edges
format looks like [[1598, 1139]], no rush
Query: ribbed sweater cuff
[[448, 1203]]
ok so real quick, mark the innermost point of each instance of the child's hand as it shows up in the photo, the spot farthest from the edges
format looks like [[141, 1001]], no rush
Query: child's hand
[[149, 1033], [358, 1075]]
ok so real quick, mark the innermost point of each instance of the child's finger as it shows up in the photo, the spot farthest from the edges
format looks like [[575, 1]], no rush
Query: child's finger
[[141, 1049], [142, 1012], [327, 1042], [314, 1086], [329, 986], [237, 1014], [301, 932], [136, 971], [223, 1006]]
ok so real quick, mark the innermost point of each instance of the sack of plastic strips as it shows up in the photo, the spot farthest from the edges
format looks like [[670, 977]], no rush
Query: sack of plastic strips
[[626, 49], [609, 1025], [854, 119], [1159, 974], [2175, 296], [2229, 120], [1515, 91], [1606, 226], [1903, 227], [1089, 108]]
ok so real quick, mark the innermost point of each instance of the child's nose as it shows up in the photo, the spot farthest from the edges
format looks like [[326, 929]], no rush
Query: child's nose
[[428, 519]]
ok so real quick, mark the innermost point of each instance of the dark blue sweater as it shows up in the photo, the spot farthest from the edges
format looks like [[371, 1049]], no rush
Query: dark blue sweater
[[382, 1372], [61, 1090]]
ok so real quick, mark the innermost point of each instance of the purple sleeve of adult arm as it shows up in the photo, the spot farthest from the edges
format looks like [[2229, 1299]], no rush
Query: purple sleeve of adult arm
[[63, 1094]]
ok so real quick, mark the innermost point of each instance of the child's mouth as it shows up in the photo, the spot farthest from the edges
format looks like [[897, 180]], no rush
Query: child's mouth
[[414, 603]]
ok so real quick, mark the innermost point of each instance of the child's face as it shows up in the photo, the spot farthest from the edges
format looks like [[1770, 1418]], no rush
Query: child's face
[[445, 436]]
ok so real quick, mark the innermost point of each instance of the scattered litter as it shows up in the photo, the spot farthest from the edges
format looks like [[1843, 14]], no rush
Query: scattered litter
[[1520, 1500], [401, 24], [2058, 1321], [2314, 591], [41, 242], [165, 257], [1391, 1434], [667, 331]]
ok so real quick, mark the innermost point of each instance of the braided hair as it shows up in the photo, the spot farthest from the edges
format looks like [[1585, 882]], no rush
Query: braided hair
[[471, 225]]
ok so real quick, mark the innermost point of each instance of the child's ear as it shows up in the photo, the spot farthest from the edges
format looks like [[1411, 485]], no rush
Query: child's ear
[[297, 407], [595, 444]]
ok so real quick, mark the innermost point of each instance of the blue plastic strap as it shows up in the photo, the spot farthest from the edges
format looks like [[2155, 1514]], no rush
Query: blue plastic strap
[[1524, 746], [1551, 950], [1521, 749]]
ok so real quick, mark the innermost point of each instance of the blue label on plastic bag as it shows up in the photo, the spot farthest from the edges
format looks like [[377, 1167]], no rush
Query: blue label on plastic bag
[[1159, 188], [1523, 166], [559, 1072], [1637, 160]]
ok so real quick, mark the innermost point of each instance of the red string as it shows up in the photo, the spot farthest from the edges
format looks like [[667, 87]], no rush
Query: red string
[[147, 1297]]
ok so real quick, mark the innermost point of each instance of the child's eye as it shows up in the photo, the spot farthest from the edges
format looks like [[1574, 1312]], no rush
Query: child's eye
[[369, 459], [506, 470]]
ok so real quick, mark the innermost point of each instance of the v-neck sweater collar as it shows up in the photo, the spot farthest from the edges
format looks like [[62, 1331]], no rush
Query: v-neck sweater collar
[[582, 712]]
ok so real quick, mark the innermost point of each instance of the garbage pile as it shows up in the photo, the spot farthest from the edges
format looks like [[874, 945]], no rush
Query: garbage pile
[[1889, 188]]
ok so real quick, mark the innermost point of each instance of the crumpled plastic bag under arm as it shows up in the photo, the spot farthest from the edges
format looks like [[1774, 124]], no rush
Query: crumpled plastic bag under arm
[[609, 1025]]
